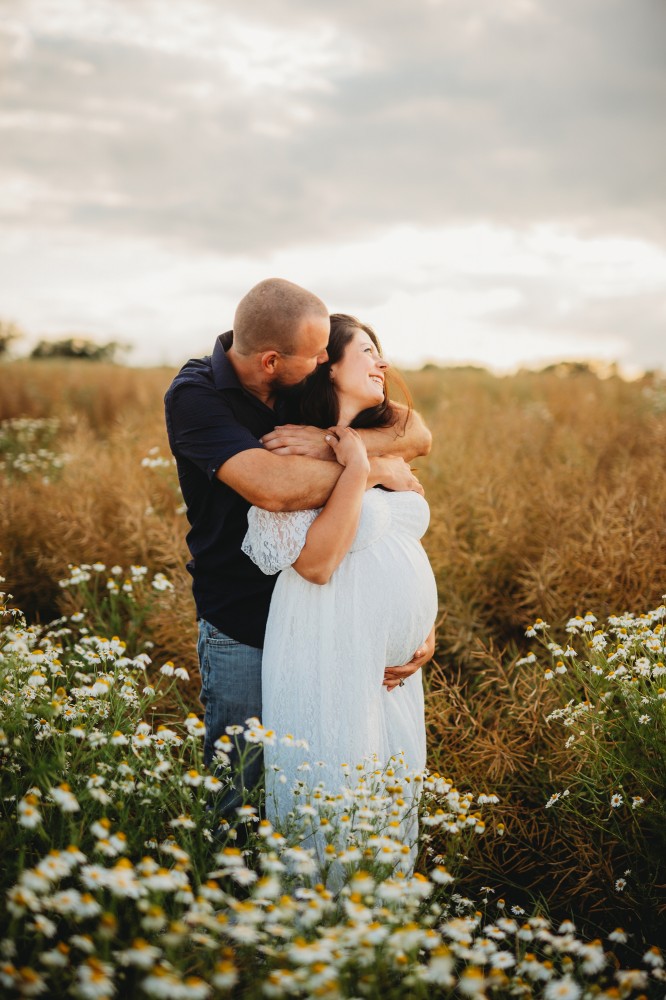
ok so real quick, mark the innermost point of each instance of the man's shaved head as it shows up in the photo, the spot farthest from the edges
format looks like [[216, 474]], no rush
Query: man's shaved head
[[270, 315]]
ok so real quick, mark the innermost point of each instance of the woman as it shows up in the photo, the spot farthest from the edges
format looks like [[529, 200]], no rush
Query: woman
[[356, 593]]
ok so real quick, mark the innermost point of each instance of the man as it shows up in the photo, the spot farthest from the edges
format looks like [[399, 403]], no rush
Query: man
[[226, 424]]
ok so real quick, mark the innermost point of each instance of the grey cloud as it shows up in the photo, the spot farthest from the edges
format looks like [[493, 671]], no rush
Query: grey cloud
[[459, 114], [637, 320]]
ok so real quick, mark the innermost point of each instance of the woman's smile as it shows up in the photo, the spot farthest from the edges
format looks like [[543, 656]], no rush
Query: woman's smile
[[358, 376]]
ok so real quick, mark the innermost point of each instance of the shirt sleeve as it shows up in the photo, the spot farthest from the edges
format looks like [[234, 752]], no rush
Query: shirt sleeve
[[205, 430], [274, 540]]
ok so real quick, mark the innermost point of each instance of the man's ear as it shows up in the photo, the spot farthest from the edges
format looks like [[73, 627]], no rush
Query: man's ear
[[270, 361]]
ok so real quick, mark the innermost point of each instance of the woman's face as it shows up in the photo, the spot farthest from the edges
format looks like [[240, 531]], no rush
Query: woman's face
[[358, 377]]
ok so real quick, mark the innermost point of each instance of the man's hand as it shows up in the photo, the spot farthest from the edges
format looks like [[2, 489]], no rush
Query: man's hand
[[299, 439], [393, 473], [393, 675]]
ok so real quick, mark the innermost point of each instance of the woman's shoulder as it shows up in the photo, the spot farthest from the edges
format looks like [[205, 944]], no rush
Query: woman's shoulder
[[261, 517]]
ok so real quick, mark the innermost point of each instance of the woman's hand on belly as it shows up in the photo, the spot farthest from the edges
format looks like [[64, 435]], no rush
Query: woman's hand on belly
[[425, 652]]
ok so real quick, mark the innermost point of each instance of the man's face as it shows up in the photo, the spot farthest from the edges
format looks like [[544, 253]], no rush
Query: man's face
[[309, 351]]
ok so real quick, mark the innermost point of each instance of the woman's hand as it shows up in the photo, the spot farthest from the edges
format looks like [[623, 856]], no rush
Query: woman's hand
[[394, 675], [349, 448]]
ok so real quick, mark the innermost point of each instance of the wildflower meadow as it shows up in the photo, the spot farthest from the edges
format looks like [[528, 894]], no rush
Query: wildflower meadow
[[540, 865]]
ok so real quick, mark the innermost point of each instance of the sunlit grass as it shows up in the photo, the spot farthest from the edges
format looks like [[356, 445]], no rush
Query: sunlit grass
[[547, 500]]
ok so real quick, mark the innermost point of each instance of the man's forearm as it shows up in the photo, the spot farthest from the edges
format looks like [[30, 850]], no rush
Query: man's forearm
[[407, 438], [298, 482], [305, 483], [291, 482], [302, 483]]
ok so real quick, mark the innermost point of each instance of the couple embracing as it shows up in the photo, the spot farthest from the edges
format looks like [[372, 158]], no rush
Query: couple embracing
[[315, 598]]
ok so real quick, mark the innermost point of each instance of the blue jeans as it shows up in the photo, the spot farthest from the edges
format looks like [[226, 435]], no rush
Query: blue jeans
[[230, 694]]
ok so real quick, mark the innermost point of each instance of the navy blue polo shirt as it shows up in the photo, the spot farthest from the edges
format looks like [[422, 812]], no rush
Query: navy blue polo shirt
[[210, 418]]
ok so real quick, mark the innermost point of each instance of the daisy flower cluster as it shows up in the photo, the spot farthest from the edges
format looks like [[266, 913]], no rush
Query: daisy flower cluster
[[117, 581], [121, 877], [114, 599], [164, 468], [156, 460], [26, 447], [612, 680], [380, 817]]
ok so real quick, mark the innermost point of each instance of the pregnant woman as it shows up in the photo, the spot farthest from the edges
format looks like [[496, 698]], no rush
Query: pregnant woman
[[356, 594]]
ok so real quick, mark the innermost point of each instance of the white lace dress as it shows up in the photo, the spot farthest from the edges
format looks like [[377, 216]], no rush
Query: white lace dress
[[327, 646]]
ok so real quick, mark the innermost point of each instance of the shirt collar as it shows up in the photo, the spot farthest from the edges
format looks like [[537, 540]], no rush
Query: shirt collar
[[224, 375]]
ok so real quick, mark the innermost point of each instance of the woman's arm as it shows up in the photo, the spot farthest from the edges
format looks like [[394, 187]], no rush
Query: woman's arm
[[332, 533]]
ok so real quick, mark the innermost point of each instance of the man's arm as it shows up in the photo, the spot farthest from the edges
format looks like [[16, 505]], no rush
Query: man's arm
[[407, 438], [279, 483], [296, 482]]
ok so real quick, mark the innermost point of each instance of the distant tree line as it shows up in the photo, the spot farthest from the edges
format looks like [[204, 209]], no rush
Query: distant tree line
[[67, 347], [77, 347]]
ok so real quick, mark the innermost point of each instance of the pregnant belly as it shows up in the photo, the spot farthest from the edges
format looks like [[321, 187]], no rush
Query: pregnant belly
[[400, 593]]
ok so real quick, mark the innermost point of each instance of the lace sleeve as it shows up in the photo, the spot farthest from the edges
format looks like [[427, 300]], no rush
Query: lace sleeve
[[274, 539]]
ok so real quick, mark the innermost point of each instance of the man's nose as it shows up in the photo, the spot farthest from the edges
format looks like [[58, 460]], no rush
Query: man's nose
[[323, 357]]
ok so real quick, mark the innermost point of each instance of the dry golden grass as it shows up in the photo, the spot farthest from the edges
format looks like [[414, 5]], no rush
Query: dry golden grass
[[98, 394], [547, 498], [487, 731], [104, 505]]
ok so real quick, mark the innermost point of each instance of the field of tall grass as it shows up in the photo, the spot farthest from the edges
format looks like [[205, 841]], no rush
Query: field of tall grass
[[548, 500]]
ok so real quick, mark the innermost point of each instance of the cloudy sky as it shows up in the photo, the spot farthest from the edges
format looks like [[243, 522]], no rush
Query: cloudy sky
[[484, 180]]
